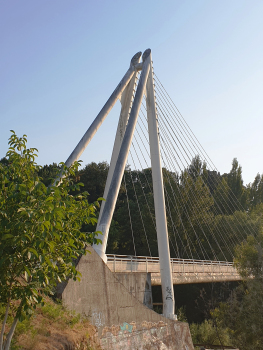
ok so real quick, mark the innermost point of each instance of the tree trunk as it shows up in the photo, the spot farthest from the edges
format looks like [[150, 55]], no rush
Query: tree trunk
[[3, 326], [10, 335]]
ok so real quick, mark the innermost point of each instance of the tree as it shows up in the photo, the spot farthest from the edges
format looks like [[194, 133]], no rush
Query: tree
[[40, 233], [249, 258], [238, 193], [206, 333], [256, 191], [48, 173], [94, 177], [243, 311]]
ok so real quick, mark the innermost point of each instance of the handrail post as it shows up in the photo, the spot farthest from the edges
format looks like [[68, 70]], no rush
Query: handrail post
[[114, 263], [146, 265]]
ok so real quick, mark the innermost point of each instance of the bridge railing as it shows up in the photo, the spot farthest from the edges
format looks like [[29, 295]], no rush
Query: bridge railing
[[127, 263]]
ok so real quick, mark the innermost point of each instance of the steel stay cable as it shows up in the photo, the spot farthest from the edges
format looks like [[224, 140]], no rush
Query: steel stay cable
[[173, 228], [176, 152], [140, 138], [187, 163], [200, 226], [184, 229], [180, 115], [181, 170], [153, 221], [218, 207], [193, 195], [149, 157], [220, 234], [140, 213], [129, 214], [169, 130], [145, 118], [212, 196], [180, 218], [175, 199], [208, 162], [131, 176], [236, 202], [136, 132]]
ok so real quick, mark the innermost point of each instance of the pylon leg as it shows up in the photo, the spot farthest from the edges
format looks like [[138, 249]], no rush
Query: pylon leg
[[87, 137], [126, 100], [109, 207], [159, 201]]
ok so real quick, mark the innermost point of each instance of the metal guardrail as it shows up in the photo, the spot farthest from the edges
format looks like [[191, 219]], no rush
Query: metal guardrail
[[183, 270], [119, 263]]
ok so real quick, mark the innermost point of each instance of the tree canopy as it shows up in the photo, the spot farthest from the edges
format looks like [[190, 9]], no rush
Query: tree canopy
[[203, 207], [41, 232]]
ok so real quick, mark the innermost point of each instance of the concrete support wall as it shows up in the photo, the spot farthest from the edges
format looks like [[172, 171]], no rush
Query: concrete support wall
[[139, 285], [123, 322]]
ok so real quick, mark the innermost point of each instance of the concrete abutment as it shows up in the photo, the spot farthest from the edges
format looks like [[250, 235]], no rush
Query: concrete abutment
[[114, 304]]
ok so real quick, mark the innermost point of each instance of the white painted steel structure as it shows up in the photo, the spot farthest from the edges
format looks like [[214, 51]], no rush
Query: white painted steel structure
[[115, 183], [126, 102], [87, 137], [184, 271], [159, 200], [123, 140]]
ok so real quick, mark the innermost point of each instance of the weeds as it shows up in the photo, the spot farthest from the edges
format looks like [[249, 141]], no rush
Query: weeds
[[52, 318]]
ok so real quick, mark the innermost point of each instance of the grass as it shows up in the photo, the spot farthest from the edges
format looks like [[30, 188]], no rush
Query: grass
[[49, 327]]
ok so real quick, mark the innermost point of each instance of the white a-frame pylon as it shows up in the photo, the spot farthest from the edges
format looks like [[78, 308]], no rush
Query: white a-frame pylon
[[127, 122]]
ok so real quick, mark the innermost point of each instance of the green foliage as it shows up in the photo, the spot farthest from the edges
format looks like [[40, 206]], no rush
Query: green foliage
[[48, 173], [181, 314], [52, 316], [199, 209], [93, 176], [56, 312], [256, 191], [235, 183], [23, 327], [249, 257], [52, 311], [40, 230], [209, 333], [242, 313]]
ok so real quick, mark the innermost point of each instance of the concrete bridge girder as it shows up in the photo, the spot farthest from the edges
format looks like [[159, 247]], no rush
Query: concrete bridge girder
[[183, 271]]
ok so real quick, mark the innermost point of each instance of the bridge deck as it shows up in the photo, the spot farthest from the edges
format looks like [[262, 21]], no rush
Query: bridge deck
[[183, 270]]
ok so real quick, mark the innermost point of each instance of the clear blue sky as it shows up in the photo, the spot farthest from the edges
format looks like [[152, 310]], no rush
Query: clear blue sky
[[60, 60]]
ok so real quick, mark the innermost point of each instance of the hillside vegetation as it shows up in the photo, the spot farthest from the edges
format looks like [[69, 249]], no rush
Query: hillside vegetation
[[52, 327]]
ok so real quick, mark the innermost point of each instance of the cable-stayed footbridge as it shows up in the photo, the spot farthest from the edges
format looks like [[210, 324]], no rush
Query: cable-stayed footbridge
[[183, 205]]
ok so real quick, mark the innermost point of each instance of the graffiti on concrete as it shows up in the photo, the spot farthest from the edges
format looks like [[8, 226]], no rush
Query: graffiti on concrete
[[169, 294], [143, 339], [98, 319], [149, 325], [126, 327], [146, 335]]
